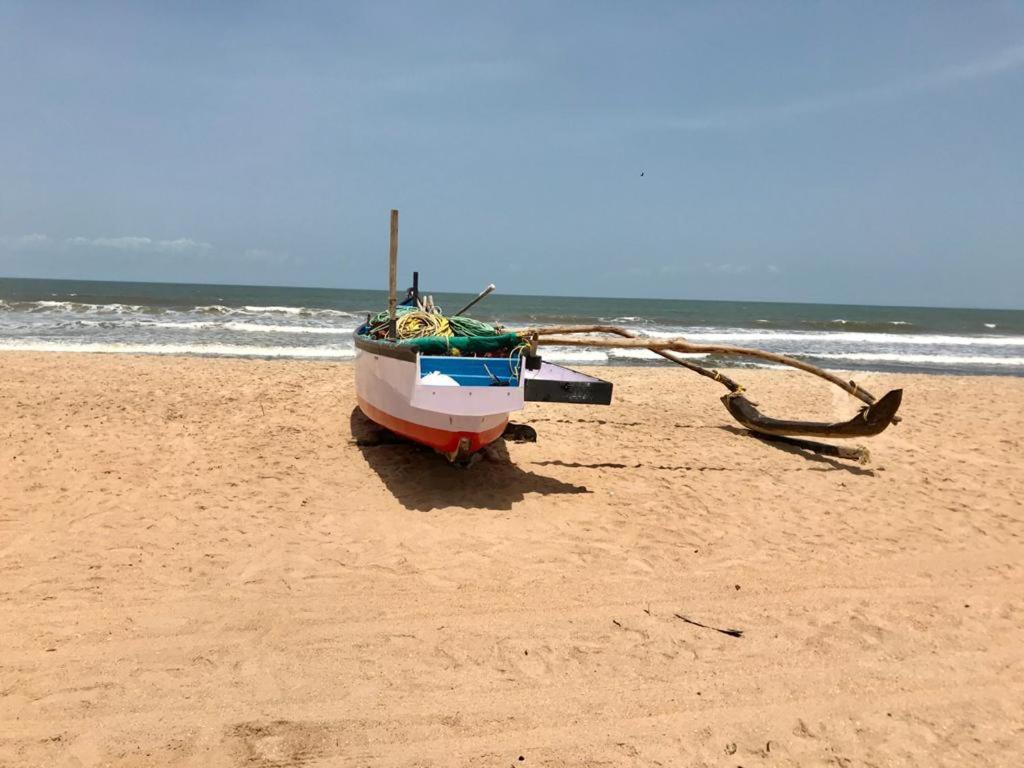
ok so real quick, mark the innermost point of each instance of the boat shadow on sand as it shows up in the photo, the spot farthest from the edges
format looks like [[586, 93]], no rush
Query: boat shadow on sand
[[424, 480]]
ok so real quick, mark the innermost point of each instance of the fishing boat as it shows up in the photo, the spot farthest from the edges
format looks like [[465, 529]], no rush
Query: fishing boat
[[455, 393], [450, 382]]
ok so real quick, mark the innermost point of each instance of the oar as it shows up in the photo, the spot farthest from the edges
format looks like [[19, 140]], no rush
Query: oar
[[481, 295]]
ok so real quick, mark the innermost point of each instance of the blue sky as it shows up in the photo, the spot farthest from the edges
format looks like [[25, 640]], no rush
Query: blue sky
[[837, 152]]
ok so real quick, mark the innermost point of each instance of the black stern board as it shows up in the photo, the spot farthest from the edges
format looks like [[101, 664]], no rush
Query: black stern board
[[564, 385]]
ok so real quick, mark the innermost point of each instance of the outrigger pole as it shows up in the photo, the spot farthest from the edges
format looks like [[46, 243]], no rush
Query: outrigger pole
[[873, 418]]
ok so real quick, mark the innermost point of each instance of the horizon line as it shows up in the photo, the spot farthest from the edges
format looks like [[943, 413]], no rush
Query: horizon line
[[524, 295]]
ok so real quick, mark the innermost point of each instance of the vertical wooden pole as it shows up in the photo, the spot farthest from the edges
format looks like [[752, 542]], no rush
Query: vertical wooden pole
[[393, 277]]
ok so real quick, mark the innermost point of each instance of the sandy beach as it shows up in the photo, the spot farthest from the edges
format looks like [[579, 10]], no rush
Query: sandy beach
[[215, 562]]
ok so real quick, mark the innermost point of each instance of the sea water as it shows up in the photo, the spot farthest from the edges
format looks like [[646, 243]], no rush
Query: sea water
[[271, 322]]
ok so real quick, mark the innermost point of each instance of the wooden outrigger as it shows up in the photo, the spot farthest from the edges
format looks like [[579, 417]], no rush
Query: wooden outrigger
[[873, 418]]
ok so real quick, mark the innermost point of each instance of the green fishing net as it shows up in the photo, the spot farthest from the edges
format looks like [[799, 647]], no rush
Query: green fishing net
[[463, 345]]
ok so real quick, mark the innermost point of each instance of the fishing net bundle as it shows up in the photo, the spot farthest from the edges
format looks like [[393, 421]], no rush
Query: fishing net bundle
[[414, 323]]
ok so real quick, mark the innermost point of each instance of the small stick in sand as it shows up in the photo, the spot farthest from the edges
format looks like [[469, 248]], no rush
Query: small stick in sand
[[730, 632]]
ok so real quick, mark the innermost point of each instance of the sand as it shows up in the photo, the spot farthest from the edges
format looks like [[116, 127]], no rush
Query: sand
[[200, 567]]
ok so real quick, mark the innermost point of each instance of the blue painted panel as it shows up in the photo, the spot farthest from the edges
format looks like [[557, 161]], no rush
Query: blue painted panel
[[474, 371]]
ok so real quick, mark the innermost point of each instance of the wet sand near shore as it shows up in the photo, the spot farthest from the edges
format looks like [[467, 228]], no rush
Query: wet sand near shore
[[219, 562]]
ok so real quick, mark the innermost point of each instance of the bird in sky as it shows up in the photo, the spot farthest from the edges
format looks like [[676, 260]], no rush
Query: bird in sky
[[641, 173]]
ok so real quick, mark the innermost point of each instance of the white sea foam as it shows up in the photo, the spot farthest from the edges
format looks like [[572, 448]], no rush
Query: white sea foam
[[203, 325], [219, 350], [990, 325], [252, 309], [75, 306], [891, 357], [320, 311], [259, 328], [192, 326], [646, 354], [834, 337], [278, 310], [633, 354], [573, 355]]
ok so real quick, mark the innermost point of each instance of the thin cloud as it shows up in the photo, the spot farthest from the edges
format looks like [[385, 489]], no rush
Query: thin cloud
[[727, 269], [182, 245], [25, 242], [1001, 62]]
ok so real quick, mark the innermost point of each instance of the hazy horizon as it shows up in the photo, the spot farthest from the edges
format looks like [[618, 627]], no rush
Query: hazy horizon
[[788, 154], [404, 284]]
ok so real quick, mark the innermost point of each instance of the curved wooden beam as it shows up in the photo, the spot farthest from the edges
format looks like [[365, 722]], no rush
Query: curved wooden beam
[[872, 419], [682, 345]]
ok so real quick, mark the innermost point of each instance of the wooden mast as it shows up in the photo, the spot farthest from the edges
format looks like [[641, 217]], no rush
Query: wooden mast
[[393, 277]]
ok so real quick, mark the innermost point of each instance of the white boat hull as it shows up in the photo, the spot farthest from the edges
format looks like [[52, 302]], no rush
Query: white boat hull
[[454, 420]]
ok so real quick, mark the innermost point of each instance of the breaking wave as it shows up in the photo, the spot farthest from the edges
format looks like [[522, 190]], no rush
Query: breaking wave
[[212, 350], [76, 306], [573, 355], [836, 337], [203, 325], [314, 329], [901, 358], [221, 309], [276, 323]]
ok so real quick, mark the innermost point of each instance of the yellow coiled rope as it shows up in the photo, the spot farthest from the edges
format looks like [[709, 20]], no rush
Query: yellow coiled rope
[[417, 324]]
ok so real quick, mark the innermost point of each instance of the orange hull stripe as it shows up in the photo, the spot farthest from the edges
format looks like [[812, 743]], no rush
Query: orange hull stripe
[[442, 440]]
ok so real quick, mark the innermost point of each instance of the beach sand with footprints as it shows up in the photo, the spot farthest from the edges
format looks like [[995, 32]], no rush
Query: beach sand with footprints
[[220, 563]]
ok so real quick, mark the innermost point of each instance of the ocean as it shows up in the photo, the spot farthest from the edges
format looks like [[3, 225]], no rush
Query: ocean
[[269, 322]]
